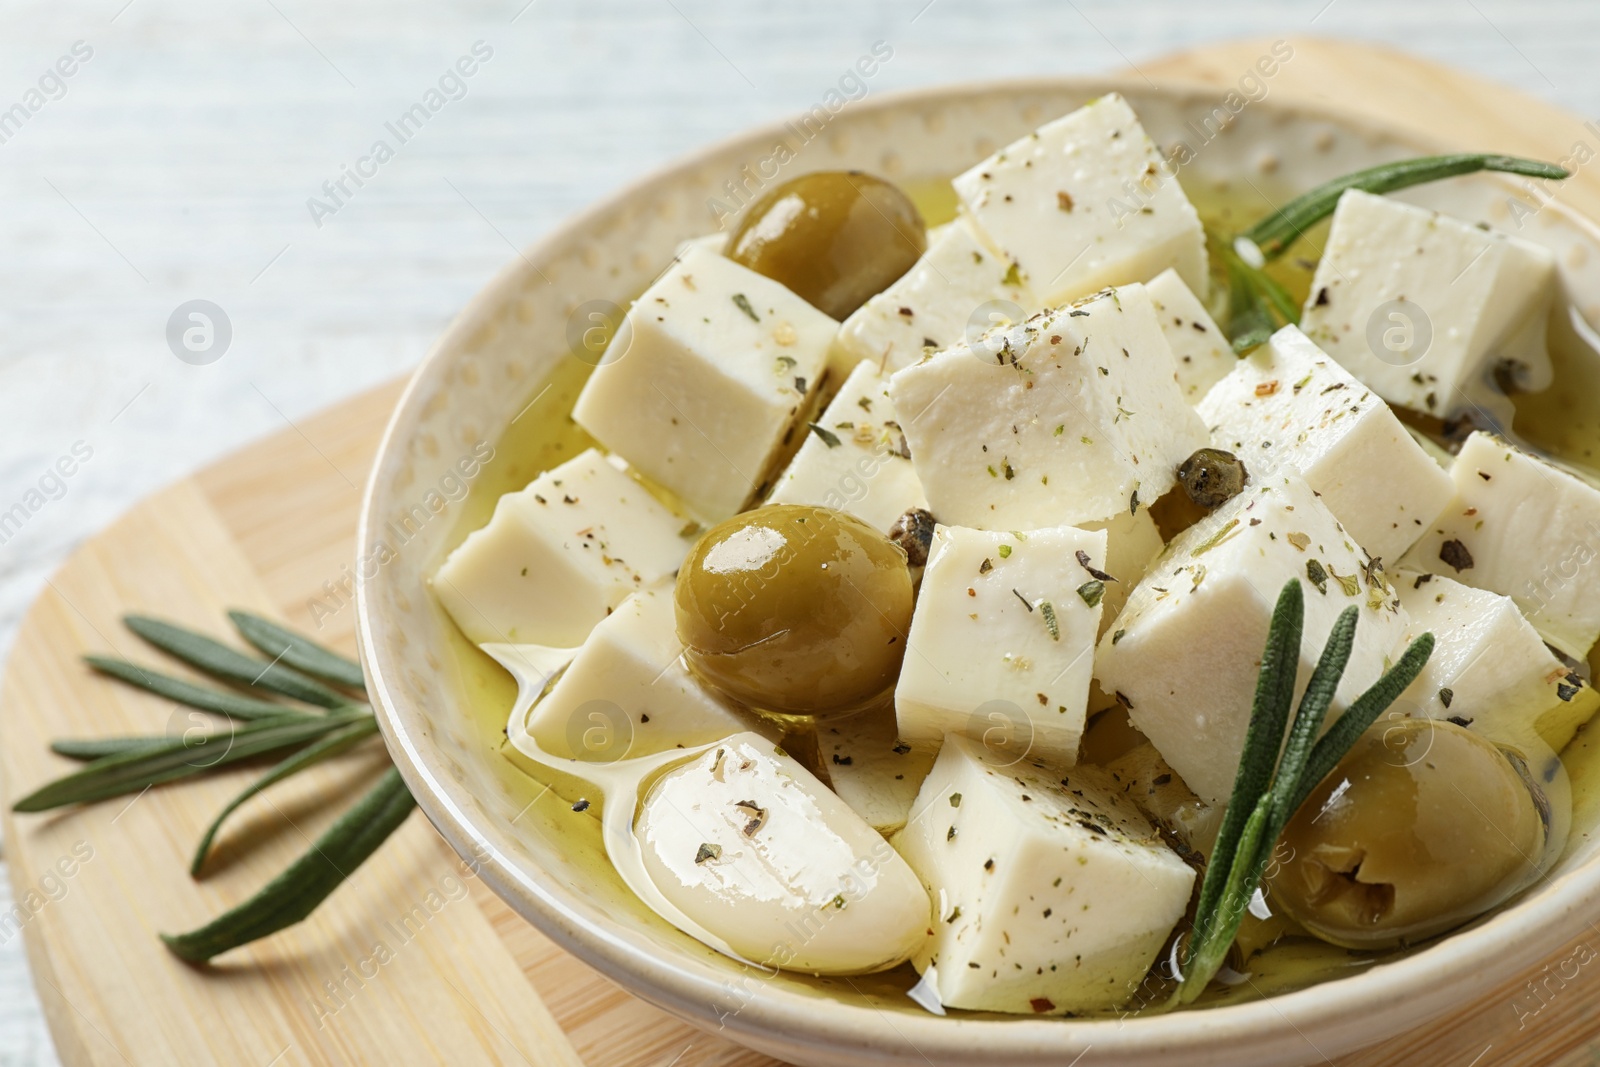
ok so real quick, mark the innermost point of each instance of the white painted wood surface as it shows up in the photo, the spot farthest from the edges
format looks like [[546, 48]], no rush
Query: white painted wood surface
[[176, 163]]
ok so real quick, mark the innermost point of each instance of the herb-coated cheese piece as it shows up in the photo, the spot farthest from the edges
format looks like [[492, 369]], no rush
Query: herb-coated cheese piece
[[1199, 348], [1053, 894], [1132, 544], [1073, 416], [558, 555], [873, 770], [1288, 402], [627, 692], [1185, 821], [748, 844], [1519, 526], [1184, 655], [932, 305], [854, 458], [706, 381], [1085, 202], [1490, 670], [1395, 277], [1002, 639]]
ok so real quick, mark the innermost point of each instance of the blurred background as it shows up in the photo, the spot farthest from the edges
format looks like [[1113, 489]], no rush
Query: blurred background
[[177, 162]]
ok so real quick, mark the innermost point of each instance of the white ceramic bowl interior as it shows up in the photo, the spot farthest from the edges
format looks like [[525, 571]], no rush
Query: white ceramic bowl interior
[[490, 363]]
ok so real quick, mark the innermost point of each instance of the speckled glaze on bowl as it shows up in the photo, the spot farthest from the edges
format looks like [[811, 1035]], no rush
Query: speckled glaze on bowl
[[507, 340]]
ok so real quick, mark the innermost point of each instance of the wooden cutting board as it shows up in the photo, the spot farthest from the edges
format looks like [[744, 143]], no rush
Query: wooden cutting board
[[462, 979]]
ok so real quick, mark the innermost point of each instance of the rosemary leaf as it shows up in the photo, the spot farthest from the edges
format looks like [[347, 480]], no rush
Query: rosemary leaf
[[131, 771], [1249, 321], [214, 657], [93, 748], [217, 701], [306, 883], [1314, 704], [1275, 233], [298, 651], [330, 745]]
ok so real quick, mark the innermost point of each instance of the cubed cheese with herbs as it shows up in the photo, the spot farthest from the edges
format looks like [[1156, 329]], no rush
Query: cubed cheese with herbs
[[1519, 526], [1184, 655], [707, 380], [1074, 416], [1490, 671], [1086, 202], [854, 458], [1052, 893], [1184, 821], [628, 691], [1002, 639], [1132, 544], [559, 555], [748, 844], [872, 769], [1424, 308], [933, 304], [1288, 402], [1200, 350]]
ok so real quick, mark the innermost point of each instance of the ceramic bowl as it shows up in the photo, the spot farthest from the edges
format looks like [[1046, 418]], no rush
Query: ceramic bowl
[[513, 336]]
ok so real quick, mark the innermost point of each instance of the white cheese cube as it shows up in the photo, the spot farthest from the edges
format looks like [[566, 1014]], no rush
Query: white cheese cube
[[855, 459], [1132, 543], [1072, 417], [628, 692], [1201, 351], [1519, 526], [1001, 646], [706, 381], [1186, 822], [1289, 403], [1490, 671], [1184, 655], [1085, 202], [559, 555], [873, 770], [1395, 278], [1053, 893], [711, 242], [749, 845], [932, 304]]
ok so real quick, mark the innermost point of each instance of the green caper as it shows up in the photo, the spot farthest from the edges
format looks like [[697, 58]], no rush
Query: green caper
[[1420, 828], [1212, 477], [796, 610], [835, 237], [913, 532]]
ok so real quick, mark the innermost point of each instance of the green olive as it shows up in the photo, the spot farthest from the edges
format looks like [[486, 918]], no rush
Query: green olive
[[835, 238], [1420, 828], [795, 610]]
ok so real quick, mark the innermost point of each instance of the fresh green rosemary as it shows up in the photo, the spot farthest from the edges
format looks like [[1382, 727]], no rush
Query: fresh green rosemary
[[338, 720]]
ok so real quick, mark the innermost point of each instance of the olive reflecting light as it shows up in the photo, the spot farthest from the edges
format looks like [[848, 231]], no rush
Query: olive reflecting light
[[795, 610], [835, 238], [1422, 826]]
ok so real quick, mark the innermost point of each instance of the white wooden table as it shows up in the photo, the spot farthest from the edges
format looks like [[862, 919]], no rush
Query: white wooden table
[[177, 160]]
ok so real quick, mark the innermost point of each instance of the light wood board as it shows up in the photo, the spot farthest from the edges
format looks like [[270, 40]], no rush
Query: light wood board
[[414, 961]]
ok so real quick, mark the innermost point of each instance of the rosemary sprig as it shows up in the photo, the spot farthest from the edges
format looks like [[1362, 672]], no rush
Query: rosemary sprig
[[1275, 233], [298, 669], [1269, 788]]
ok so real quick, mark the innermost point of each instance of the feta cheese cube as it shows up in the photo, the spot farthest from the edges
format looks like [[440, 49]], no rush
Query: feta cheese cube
[[1201, 351], [1132, 543], [1085, 202], [558, 555], [932, 304], [1288, 402], [855, 459], [705, 383], [1421, 306], [1184, 654], [1053, 893], [748, 844], [1002, 639], [1186, 823], [1519, 526], [1490, 671], [872, 769], [1071, 417], [628, 692]]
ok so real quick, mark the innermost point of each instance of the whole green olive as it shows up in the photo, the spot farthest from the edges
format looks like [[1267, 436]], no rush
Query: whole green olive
[[796, 610], [835, 237], [1420, 828]]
